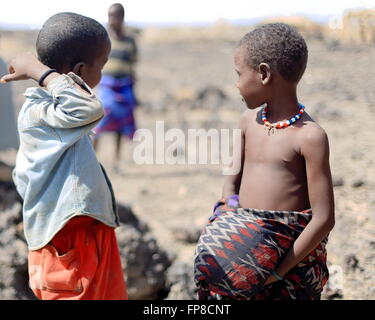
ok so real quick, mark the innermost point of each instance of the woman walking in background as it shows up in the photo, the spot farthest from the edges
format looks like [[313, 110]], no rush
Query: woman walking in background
[[116, 87]]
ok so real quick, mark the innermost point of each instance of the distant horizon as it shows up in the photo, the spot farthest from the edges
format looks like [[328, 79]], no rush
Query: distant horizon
[[317, 18], [27, 14]]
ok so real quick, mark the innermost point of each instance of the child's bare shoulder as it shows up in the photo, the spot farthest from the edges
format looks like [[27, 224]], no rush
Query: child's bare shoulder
[[249, 117], [312, 134]]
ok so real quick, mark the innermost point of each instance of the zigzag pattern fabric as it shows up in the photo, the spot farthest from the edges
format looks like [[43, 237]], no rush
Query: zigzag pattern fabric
[[239, 248]]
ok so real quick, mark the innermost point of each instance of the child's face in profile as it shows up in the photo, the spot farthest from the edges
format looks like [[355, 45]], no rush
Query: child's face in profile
[[92, 73], [249, 81]]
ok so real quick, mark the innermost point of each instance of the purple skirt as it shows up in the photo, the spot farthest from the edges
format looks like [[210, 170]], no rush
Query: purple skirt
[[119, 101]]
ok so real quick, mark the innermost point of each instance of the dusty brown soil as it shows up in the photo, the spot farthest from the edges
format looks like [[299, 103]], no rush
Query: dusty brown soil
[[337, 90]]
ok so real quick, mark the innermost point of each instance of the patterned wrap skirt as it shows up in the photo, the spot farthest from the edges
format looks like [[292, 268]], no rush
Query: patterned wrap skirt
[[119, 101], [239, 248]]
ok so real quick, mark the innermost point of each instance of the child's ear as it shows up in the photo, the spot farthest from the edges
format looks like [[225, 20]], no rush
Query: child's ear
[[78, 68], [265, 73]]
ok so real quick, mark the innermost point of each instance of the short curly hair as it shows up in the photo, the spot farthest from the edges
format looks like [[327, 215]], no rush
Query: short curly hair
[[279, 45], [67, 38]]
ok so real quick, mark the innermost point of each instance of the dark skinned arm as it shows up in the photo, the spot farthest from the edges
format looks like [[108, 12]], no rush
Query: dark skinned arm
[[232, 182], [27, 66], [315, 149]]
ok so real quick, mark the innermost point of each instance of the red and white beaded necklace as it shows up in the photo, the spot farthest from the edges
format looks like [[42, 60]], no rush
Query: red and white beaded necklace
[[284, 123]]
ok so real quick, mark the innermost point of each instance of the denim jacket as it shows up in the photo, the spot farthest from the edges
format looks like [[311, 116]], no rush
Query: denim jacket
[[57, 173]]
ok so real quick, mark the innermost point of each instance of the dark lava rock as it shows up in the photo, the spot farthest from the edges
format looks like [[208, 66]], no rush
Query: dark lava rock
[[180, 282], [143, 261], [338, 181], [189, 233], [358, 183]]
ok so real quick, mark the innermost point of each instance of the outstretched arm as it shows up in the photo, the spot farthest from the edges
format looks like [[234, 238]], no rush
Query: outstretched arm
[[74, 104], [27, 66], [315, 149]]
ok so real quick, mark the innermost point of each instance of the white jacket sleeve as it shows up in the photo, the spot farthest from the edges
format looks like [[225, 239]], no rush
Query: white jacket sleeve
[[71, 107]]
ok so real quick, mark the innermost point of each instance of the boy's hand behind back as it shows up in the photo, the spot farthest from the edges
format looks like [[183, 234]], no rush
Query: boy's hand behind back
[[26, 66]]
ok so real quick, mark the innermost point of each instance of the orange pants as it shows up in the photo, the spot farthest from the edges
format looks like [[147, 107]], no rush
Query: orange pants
[[81, 262]]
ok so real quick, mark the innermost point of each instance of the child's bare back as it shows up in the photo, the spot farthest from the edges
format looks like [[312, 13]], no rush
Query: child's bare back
[[274, 168]]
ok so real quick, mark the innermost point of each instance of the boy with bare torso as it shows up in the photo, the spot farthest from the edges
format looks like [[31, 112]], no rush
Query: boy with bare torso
[[284, 173]]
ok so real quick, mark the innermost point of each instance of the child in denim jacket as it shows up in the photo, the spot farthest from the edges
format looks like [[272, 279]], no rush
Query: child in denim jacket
[[69, 210]]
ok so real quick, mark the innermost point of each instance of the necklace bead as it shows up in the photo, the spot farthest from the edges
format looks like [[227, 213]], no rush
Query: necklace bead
[[284, 123]]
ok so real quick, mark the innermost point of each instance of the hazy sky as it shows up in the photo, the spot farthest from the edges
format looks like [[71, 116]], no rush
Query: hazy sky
[[35, 12]]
